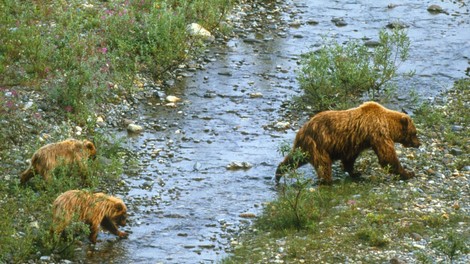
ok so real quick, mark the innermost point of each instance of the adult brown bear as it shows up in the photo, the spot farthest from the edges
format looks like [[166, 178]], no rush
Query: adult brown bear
[[48, 157], [343, 135], [94, 209]]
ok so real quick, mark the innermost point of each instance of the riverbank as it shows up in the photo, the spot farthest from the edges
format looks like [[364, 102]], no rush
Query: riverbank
[[382, 220]]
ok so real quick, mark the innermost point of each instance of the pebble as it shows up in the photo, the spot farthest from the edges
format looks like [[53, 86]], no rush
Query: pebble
[[256, 95], [282, 125], [312, 22], [45, 258], [339, 22], [397, 25], [416, 236], [435, 9], [133, 128], [247, 215], [237, 165], [172, 99]]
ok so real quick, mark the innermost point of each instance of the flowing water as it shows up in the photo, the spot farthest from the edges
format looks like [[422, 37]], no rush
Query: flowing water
[[185, 204]]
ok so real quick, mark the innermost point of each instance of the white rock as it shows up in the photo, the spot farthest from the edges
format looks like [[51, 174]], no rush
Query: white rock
[[172, 99], [282, 125], [256, 95], [133, 128], [78, 130], [34, 225], [237, 165], [28, 105], [196, 30]]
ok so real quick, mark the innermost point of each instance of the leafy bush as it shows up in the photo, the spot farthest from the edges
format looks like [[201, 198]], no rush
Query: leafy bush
[[80, 53], [336, 75]]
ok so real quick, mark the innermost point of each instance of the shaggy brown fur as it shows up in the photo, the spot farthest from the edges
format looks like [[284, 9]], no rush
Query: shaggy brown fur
[[48, 157], [94, 209], [343, 135]]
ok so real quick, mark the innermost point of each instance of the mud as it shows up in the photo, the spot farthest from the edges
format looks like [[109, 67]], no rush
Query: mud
[[186, 205]]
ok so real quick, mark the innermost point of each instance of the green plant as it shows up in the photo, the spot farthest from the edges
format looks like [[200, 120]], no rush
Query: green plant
[[452, 245], [293, 191], [374, 236], [336, 75]]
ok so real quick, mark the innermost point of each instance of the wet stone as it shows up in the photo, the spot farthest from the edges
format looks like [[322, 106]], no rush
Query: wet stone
[[133, 128], [225, 73], [339, 22], [252, 40], [416, 236], [247, 215], [397, 25], [312, 22], [456, 151], [457, 128], [372, 43], [207, 246], [236, 165], [435, 9]]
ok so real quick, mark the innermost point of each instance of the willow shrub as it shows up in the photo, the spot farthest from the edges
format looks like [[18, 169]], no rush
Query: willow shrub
[[336, 75]]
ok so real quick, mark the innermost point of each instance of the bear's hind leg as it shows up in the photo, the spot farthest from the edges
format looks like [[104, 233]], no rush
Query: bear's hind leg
[[323, 168]]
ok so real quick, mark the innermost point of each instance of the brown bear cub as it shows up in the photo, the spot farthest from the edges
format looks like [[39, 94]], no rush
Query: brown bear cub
[[49, 157], [343, 135], [94, 209]]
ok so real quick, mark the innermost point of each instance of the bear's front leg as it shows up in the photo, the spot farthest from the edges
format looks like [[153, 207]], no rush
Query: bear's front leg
[[388, 157], [112, 228]]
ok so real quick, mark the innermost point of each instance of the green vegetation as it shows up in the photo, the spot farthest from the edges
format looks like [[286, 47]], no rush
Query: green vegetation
[[72, 58], [336, 75], [81, 53], [448, 124]]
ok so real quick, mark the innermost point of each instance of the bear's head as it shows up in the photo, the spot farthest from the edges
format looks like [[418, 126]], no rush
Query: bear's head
[[409, 136], [120, 216], [90, 147]]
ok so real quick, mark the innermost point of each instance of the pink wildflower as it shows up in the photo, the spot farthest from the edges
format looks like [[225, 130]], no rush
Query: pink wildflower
[[68, 108]]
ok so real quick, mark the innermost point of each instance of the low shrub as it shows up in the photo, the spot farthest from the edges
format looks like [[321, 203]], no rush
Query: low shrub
[[336, 75]]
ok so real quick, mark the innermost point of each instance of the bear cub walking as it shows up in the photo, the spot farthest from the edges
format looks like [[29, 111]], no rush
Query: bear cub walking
[[49, 157], [343, 135], [94, 209]]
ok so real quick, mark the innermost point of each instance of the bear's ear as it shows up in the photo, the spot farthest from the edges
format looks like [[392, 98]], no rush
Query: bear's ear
[[119, 207], [404, 121], [89, 145]]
